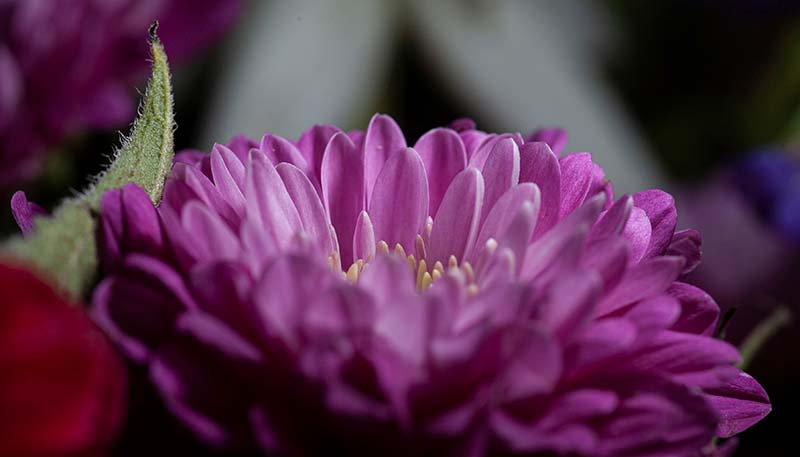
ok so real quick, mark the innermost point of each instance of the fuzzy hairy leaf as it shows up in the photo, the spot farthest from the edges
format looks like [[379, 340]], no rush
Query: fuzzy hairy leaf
[[63, 245]]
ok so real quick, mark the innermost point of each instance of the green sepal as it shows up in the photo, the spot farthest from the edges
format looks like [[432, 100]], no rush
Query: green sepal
[[63, 246]]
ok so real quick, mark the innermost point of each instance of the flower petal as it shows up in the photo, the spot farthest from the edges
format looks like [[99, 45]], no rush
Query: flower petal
[[740, 403], [280, 150], [444, 156], [364, 243], [456, 223], [660, 209], [309, 207], [343, 190], [383, 138], [399, 203], [500, 173], [540, 166], [269, 202], [556, 138]]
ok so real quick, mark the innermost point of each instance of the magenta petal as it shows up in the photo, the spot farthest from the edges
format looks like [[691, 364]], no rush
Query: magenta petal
[[638, 231], [577, 174], [279, 309], [128, 222], [660, 209], [609, 258], [241, 145], [642, 281], [364, 238], [383, 138], [228, 173], [740, 403], [479, 158], [540, 166], [269, 202], [309, 206], [25, 212], [686, 244], [444, 156], [570, 305], [500, 173], [654, 314], [556, 138], [281, 150], [472, 140], [699, 312], [389, 280], [343, 190], [210, 237], [613, 220], [456, 223], [502, 213], [312, 144], [399, 203]]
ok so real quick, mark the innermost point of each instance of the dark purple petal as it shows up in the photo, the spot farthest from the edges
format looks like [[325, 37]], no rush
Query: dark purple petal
[[25, 212], [740, 403]]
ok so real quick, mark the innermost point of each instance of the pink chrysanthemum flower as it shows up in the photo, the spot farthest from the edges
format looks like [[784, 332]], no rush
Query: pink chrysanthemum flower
[[472, 295]]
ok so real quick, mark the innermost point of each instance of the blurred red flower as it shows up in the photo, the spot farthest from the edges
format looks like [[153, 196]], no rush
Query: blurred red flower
[[62, 387]]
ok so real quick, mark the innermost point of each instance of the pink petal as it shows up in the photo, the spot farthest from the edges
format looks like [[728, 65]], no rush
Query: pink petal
[[740, 403], [228, 173], [699, 312], [399, 203], [364, 238], [500, 173], [540, 166], [456, 223], [609, 258], [25, 212], [343, 190], [309, 207], [504, 211], [383, 138], [444, 156], [613, 220], [556, 138], [312, 144], [638, 231], [686, 244], [660, 209], [281, 150], [570, 304], [478, 159], [210, 237], [269, 202], [641, 281], [577, 173]]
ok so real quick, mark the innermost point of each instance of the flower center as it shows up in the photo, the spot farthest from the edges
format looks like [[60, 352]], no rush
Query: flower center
[[424, 273]]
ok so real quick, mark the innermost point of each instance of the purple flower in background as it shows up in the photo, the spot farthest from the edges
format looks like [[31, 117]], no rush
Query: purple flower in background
[[760, 196], [66, 66], [770, 180], [475, 294]]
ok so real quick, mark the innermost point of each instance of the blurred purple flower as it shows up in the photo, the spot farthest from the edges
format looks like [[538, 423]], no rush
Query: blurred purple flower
[[473, 295], [760, 197], [67, 66]]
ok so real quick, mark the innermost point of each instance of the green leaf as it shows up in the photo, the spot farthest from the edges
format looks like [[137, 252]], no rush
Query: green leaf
[[146, 157], [63, 246]]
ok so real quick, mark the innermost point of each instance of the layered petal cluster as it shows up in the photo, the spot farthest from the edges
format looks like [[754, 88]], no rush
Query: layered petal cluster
[[67, 65], [475, 294]]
